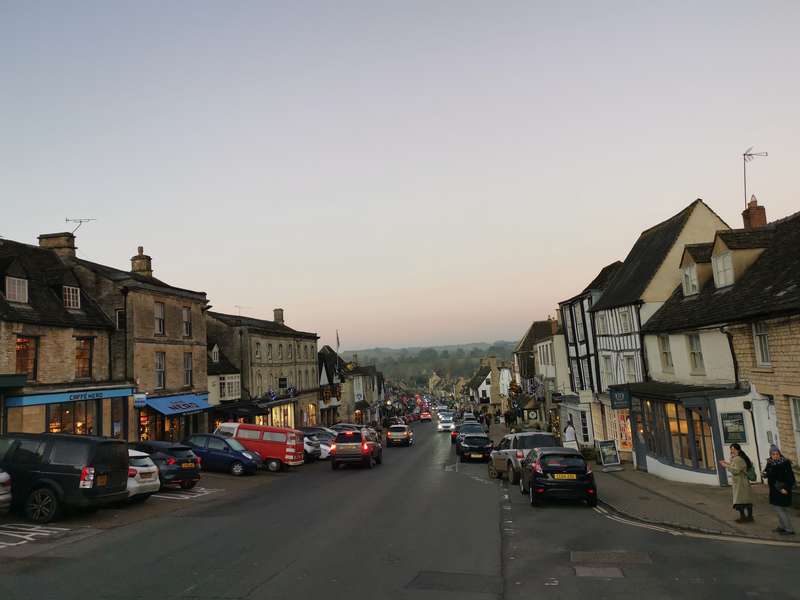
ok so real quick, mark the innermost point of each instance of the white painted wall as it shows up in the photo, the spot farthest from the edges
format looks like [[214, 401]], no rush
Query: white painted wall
[[659, 469], [648, 309], [562, 364], [716, 356], [505, 381]]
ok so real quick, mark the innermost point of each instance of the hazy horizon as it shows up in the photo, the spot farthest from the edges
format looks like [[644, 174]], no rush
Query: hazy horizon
[[410, 174]]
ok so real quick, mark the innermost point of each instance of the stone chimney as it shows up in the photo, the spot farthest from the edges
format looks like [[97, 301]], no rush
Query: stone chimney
[[278, 312], [553, 325], [142, 264], [62, 244], [754, 216]]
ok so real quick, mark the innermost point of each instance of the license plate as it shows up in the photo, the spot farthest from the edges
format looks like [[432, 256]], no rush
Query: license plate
[[476, 455], [102, 480], [188, 465], [565, 476], [145, 475]]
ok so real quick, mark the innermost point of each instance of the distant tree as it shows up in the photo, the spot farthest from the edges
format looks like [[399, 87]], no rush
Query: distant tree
[[428, 355], [444, 354], [459, 353]]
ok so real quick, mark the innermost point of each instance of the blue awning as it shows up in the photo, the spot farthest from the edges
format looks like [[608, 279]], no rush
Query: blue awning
[[179, 405]]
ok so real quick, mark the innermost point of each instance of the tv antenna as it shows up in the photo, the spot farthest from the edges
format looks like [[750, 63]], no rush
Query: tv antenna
[[78, 221], [239, 308], [747, 156]]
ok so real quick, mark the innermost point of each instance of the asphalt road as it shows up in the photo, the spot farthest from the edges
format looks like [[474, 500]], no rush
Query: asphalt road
[[417, 527]]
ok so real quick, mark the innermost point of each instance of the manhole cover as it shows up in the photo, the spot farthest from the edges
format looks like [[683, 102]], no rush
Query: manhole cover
[[607, 572], [611, 557], [457, 582]]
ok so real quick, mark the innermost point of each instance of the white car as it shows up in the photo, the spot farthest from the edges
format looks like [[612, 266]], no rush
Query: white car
[[324, 450], [143, 478], [5, 492], [445, 424]]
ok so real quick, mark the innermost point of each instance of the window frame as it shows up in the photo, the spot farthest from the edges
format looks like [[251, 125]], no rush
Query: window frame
[[758, 338], [579, 325], [33, 374], [71, 295], [722, 266], [626, 324], [694, 353], [629, 377], [120, 312], [601, 323], [90, 365], [690, 272], [159, 322], [665, 353], [258, 350], [186, 318], [20, 284], [188, 369], [162, 384]]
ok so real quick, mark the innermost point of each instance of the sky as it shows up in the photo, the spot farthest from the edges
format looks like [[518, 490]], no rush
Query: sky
[[408, 173]]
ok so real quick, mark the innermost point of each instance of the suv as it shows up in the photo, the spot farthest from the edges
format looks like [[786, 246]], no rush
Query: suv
[[512, 450], [52, 471], [360, 447], [177, 463]]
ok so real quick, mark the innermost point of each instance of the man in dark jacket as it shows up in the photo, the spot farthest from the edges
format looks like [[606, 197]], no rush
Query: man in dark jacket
[[780, 477]]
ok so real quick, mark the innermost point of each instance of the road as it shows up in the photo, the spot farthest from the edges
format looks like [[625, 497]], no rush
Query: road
[[417, 527]]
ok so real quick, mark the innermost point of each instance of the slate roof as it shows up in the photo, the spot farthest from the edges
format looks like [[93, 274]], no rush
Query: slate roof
[[771, 286], [478, 378], [604, 277], [643, 261], [261, 325], [700, 253], [223, 367], [131, 279], [538, 331], [744, 239], [330, 361], [46, 275]]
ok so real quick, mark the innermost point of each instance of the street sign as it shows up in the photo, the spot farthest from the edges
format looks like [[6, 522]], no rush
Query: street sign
[[620, 399]]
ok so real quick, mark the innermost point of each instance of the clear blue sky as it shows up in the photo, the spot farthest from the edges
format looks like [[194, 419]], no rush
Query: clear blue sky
[[406, 172]]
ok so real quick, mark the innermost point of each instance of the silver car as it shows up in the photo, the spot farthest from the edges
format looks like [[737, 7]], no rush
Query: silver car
[[5, 492], [512, 450]]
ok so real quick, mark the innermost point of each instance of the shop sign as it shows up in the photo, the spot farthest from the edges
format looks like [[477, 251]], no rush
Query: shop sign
[[733, 428], [60, 397], [139, 400], [608, 452], [620, 399]]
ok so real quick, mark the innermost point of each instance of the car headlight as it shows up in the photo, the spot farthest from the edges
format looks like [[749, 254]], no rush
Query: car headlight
[[247, 455]]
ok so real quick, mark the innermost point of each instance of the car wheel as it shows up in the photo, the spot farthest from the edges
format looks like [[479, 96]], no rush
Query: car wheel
[[273, 465], [522, 489], [533, 497], [379, 459], [237, 468], [187, 485], [334, 466], [513, 476], [41, 505], [591, 502], [369, 464]]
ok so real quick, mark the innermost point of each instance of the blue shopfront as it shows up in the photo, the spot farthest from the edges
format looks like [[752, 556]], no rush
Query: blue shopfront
[[172, 418], [94, 411]]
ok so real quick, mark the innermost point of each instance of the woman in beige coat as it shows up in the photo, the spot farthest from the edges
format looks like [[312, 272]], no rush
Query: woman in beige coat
[[739, 465]]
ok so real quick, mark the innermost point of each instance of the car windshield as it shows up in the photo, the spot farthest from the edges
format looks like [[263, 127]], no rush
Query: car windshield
[[349, 437], [180, 452], [236, 445], [555, 461], [471, 427], [398, 428], [476, 440], [140, 461], [527, 442]]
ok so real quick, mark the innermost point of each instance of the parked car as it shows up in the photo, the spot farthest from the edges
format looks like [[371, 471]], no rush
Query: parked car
[[311, 447], [5, 492], [424, 416], [475, 446], [227, 455], [279, 447], [557, 473], [513, 448], [143, 480], [50, 472], [399, 435], [467, 429], [346, 427], [177, 463], [356, 447]]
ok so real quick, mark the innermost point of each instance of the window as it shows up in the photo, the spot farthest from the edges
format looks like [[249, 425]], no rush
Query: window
[[27, 355], [761, 338], [222, 387], [16, 289], [158, 311], [289, 351], [696, 354], [690, 286], [217, 444], [269, 351], [71, 453], [584, 427], [679, 434], [795, 403], [607, 370], [248, 434], [280, 351], [602, 324], [186, 313], [160, 370], [215, 354], [723, 269], [259, 385], [119, 419], [72, 417], [121, 318], [307, 380], [579, 323], [83, 358], [305, 352], [630, 368], [187, 369], [258, 349], [625, 321], [568, 323], [72, 297], [665, 353]]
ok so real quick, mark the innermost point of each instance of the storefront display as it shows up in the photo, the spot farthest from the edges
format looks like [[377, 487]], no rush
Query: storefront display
[[172, 418]]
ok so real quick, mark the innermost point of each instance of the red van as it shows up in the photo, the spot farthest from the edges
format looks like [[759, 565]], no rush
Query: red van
[[278, 446]]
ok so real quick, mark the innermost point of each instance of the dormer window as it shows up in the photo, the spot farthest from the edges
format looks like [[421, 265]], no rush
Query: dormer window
[[215, 354], [723, 269], [690, 286], [72, 297], [17, 290]]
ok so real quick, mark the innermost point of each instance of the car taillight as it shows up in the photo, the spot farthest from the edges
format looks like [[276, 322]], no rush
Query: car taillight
[[131, 472], [537, 467], [590, 491], [87, 477], [520, 454], [365, 447], [171, 460], [333, 449], [198, 460], [6, 483]]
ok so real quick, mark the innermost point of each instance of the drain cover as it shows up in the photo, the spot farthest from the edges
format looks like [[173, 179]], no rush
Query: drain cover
[[457, 582], [611, 557], [607, 572]]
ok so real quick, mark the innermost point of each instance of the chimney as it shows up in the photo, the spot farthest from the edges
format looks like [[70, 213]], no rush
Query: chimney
[[754, 216], [278, 312], [142, 264], [553, 325], [63, 244]]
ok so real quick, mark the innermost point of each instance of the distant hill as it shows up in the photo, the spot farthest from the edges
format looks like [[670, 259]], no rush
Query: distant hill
[[415, 364]]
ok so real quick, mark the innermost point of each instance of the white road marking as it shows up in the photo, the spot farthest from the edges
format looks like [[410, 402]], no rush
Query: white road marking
[[22, 533], [185, 494]]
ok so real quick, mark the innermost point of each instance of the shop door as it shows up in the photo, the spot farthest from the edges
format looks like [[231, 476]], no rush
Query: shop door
[[639, 443]]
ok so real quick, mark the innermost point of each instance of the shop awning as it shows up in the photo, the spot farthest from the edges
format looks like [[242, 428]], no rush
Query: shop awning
[[692, 396], [179, 405]]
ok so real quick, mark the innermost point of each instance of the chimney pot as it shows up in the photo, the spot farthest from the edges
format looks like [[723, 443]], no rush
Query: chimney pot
[[63, 244], [754, 216], [278, 312]]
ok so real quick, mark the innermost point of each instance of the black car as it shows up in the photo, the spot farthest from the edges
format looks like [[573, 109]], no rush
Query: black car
[[475, 446], [557, 473], [469, 428], [177, 463], [53, 471]]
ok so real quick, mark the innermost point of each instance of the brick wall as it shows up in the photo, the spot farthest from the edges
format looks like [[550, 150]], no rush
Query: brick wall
[[782, 379]]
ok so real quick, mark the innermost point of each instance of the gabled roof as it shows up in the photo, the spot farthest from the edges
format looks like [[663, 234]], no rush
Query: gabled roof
[[261, 325], [771, 286], [700, 253], [745, 239], [644, 260], [131, 279], [331, 362], [46, 275], [479, 377], [604, 277], [538, 331], [223, 366]]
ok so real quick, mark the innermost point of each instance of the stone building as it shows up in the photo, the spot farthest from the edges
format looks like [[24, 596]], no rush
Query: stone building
[[55, 370]]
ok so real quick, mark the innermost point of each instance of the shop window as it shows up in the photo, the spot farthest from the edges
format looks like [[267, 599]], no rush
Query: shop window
[[679, 434], [187, 369], [72, 417], [84, 348], [72, 297], [159, 324], [27, 356], [160, 370], [119, 418], [703, 439]]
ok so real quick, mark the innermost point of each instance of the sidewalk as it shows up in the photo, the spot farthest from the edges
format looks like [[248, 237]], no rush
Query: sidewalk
[[703, 508]]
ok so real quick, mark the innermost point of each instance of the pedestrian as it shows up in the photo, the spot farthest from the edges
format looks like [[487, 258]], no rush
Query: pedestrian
[[780, 477], [739, 465], [570, 436]]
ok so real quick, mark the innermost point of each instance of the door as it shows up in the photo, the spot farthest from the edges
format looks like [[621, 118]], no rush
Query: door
[[198, 444], [639, 443], [218, 453]]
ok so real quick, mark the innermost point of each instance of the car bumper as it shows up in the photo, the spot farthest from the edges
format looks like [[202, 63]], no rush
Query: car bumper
[[84, 501], [350, 458], [467, 454], [136, 488], [178, 476], [560, 490], [398, 441]]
